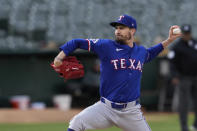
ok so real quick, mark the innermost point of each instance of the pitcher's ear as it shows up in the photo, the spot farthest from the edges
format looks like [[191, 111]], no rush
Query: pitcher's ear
[[133, 30]]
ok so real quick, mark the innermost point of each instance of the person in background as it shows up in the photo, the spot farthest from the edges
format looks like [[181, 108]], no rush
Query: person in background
[[184, 62], [91, 80]]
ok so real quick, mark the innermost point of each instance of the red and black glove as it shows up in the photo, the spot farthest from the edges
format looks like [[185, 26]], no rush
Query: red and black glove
[[70, 68]]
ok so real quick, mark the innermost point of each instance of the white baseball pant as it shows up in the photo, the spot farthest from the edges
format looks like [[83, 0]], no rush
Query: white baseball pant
[[102, 115]]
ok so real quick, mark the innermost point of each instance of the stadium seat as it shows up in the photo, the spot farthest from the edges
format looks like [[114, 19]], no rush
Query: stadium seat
[[18, 18]]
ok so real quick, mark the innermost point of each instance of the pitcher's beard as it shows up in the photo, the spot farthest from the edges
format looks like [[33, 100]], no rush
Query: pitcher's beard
[[123, 41]]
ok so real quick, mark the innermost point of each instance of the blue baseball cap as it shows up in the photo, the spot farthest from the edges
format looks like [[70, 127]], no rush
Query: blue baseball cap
[[126, 20]]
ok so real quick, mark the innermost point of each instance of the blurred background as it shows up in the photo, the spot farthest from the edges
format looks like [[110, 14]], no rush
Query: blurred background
[[31, 32]]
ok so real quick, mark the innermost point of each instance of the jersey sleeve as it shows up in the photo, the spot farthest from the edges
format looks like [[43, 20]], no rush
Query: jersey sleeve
[[152, 52], [94, 45]]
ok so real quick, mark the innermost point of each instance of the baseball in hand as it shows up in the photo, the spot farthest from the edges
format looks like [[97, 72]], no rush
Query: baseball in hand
[[176, 31]]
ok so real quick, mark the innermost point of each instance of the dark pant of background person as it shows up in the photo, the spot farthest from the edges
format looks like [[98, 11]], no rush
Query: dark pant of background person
[[187, 90]]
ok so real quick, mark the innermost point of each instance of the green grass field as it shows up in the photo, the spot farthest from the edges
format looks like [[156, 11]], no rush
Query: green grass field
[[157, 122]]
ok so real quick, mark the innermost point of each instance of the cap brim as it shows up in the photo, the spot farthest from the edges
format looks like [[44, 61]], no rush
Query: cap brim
[[114, 24], [186, 32]]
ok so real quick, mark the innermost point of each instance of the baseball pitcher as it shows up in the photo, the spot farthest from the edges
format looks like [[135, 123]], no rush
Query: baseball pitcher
[[121, 68]]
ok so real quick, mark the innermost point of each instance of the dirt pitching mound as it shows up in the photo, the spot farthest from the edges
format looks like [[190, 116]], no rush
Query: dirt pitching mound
[[36, 116]]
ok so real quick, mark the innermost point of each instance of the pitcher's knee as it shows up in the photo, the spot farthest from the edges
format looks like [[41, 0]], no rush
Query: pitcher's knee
[[76, 124]]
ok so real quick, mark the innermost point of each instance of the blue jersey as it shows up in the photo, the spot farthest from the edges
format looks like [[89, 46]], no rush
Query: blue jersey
[[121, 66]]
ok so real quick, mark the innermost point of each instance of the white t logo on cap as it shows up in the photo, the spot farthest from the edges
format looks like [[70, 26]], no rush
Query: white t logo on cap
[[121, 17]]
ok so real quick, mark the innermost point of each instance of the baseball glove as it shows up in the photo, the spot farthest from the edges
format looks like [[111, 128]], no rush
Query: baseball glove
[[71, 68]]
